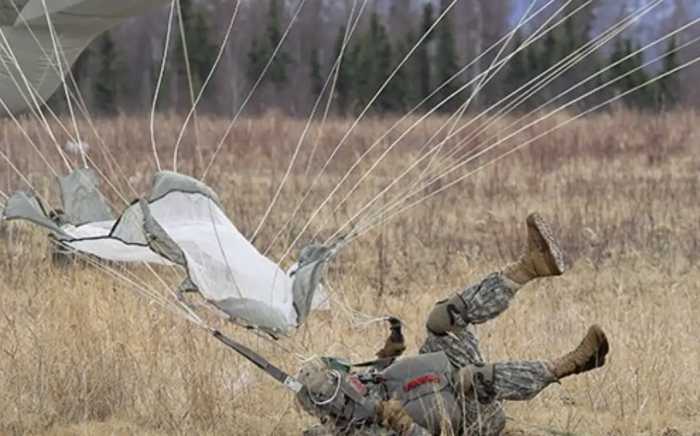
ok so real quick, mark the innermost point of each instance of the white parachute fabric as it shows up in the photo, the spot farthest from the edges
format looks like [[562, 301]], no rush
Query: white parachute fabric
[[183, 223], [224, 266], [28, 62]]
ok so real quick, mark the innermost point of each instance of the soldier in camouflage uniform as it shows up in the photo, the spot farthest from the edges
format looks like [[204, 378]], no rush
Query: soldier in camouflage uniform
[[449, 385]]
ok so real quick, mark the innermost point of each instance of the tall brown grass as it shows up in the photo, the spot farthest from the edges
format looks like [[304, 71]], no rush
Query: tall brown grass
[[83, 354]]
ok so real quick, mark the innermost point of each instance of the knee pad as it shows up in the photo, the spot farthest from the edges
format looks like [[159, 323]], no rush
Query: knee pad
[[442, 319]]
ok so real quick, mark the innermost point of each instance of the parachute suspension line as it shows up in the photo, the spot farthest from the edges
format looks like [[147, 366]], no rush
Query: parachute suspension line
[[29, 139], [54, 116], [552, 74], [597, 107], [222, 251], [483, 82], [177, 309], [159, 83], [459, 130], [350, 27], [515, 123], [190, 84], [335, 71], [7, 50], [257, 83], [17, 170], [169, 290], [139, 286], [59, 62], [414, 125], [205, 84], [473, 156], [422, 175], [408, 114], [361, 116], [558, 126], [305, 131], [82, 106], [483, 79]]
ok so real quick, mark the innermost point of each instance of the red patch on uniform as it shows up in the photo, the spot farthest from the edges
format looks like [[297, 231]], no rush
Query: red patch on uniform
[[419, 381], [357, 385]]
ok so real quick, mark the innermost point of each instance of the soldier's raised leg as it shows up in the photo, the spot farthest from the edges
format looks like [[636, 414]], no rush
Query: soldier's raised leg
[[449, 321], [484, 386]]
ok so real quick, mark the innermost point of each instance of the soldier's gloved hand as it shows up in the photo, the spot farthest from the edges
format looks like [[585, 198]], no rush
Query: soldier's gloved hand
[[393, 416]]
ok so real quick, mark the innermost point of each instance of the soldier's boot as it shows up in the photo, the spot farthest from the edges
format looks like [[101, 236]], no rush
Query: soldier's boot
[[589, 354], [543, 256]]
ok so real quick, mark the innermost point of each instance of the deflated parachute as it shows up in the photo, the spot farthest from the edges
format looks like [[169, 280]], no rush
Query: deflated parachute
[[182, 222], [28, 61]]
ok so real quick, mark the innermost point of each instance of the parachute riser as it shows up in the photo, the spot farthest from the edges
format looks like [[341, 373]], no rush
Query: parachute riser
[[285, 379]]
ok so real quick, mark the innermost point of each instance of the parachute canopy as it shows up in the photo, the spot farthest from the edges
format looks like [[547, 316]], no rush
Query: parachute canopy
[[181, 222], [28, 60]]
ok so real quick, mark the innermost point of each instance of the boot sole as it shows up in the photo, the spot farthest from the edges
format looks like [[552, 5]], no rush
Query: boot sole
[[552, 246]]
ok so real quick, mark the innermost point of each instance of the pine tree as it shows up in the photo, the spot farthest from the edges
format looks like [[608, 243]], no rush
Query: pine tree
[[107, 77], [408, 76], [630, 75], [315, 75], [446, 65], [200, 51], [384, 57], [278, 69], [262, 50], [669, 87], [422, 55], [344, 85], [518, 68]]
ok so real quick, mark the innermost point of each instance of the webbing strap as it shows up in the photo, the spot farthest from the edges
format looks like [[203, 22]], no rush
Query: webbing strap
[[287, 380]]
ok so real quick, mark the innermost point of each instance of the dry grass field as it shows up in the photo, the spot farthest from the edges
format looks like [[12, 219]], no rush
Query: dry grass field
[[81, 354]]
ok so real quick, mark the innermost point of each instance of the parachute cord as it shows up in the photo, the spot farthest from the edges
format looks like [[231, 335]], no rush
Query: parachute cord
[[540, 136], [257, 83], [195, 102], [159, 83], [485, 79], [401, 120], [82, 106], [7, 49], [176, 308], [482, 78], [469, 156], [292, 161], [355, 124], [350, 27], [417, 161], [31, 142], [190, 84], [59, 62], [551, 74], [222, 251], [335, 72], [265, 337]]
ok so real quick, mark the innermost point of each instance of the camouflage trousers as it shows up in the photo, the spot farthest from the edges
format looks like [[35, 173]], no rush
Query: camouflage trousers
[[483, 413], [512, 381]]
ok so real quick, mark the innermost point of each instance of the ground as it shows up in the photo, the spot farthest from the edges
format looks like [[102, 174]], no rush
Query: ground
[[84, 354]]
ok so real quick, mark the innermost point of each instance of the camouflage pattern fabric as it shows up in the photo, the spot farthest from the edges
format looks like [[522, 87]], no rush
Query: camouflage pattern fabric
[[513, 381]]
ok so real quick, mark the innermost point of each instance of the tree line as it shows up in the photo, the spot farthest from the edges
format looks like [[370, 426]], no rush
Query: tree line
[[432, 74]]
